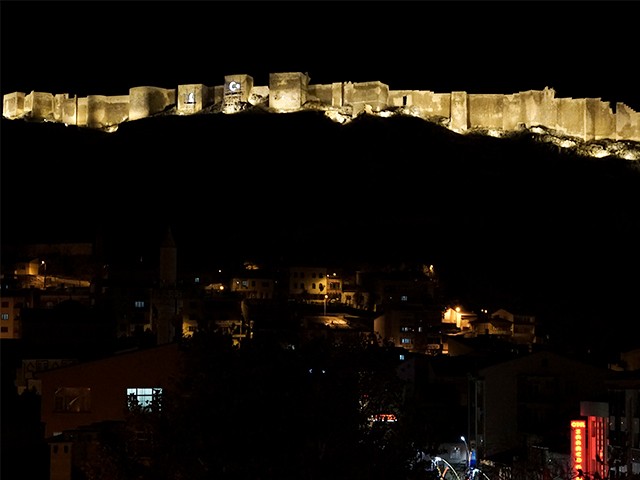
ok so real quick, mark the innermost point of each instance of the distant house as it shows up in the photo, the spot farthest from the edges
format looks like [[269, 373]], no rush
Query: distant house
[[10, 319], [530, 400], [337, 327], [86, 393], [492, 325], [522, 326], [308, 283], [82, 402], [398, 287], [253, 285], [623, 420], [413, 327], [459, 317]]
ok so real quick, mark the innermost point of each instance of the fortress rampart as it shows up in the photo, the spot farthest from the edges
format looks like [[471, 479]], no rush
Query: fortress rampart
[[583, 118]]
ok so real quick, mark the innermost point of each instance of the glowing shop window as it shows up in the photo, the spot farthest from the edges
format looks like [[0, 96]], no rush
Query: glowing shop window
[[143, 396]]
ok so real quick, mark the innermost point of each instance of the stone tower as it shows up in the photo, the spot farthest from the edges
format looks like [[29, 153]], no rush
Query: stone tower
[[168, 271], [237, 89]]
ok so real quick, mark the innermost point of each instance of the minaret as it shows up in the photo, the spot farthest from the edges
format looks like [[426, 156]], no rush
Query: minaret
[[168, 260]]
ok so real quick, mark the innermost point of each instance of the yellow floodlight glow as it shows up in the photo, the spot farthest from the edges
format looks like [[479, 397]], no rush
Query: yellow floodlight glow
[[600, 153], [630, 155], [567, 143]]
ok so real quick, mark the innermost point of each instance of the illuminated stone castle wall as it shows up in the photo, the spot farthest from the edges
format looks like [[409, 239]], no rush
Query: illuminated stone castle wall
[[584, 118]]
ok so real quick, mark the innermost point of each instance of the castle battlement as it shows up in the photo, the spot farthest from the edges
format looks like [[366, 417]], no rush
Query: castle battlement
[[584, 118]]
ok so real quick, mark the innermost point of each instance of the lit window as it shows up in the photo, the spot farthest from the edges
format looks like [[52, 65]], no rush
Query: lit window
[[404, 298], [197, 280], [401, 356], [5, 316], [139, 304], [406, 340], [143, 397], [72, 399]]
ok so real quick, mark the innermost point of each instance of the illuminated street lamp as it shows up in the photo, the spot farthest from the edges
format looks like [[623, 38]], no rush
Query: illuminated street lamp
[[325, 304], [44, 276], [466, 447]]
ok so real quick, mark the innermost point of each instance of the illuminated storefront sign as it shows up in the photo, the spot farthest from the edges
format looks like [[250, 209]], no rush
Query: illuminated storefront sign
[[384, 417], [578, 443]]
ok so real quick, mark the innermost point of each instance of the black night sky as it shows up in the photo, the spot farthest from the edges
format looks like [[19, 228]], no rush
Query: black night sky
[[506, 221], [581, 49]]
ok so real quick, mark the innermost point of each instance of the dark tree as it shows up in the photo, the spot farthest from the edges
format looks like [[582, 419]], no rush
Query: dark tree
[[263, 412]]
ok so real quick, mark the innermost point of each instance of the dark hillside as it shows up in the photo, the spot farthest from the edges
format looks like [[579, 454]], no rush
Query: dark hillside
[[510, 221]]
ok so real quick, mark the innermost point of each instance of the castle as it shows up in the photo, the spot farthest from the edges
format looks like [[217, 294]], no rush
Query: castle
[[584, 118]]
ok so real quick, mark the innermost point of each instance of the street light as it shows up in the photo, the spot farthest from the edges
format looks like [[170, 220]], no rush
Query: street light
[[325, 304], [44, 277], [466, 447]]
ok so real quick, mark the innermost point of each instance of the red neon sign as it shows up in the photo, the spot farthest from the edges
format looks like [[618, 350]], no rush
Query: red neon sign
[[578, 442]]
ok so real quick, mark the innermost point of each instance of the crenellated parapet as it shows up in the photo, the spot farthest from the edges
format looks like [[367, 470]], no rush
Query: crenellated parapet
[[583, 118]]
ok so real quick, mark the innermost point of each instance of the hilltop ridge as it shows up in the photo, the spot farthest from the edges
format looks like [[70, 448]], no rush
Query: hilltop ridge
[[571, 122]]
